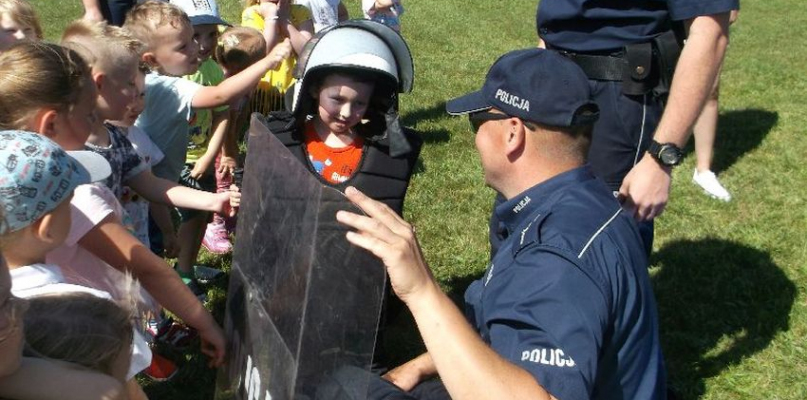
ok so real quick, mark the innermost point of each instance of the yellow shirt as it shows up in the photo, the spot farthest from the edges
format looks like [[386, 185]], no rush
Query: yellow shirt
[[269, 96]]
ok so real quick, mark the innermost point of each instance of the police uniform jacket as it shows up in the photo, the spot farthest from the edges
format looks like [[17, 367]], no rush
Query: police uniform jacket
[[595, 26], [567, 297]]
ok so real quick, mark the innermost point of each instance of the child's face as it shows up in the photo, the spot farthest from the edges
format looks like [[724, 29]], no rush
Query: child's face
[[116, 92], [342, 102], [176, 53], [12, 310], [207, 37], [11, 32], [139, 103], [73, 126]]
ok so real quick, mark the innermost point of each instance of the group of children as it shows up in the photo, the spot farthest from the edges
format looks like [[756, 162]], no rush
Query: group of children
[[104, 134]]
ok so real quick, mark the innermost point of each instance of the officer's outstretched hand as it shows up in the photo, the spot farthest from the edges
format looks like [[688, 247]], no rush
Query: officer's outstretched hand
[[645, 189], [385, 234]]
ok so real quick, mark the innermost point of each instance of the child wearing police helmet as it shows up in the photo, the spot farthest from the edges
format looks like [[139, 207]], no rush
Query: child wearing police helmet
[[343, 124]]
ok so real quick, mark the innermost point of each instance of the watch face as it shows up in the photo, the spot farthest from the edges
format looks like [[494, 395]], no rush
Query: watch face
[[670, 155]]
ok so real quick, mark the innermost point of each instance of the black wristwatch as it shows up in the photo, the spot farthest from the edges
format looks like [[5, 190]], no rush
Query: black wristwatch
[[667, 154]]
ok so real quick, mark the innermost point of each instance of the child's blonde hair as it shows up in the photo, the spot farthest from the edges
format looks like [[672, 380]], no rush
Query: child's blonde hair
[[106, 47], [239, 47], [21, 12], [79, 328], [144, 19], [250, 3], [36, 76]]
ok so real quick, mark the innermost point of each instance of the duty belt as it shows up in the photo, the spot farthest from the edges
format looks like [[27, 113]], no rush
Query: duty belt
[[601, 68], [633, 66], [641, 67]]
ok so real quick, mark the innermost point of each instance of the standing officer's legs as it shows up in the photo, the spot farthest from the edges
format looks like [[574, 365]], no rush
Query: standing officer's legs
[[621, 137]]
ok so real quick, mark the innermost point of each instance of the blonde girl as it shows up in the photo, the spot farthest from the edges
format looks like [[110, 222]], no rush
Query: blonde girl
[[47, 89], [277, 20], [18, 21]]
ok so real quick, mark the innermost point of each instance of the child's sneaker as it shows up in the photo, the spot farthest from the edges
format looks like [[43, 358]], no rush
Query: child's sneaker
[[709, 183], [161, 368], [175, 334], [216, 239], [206, 275]]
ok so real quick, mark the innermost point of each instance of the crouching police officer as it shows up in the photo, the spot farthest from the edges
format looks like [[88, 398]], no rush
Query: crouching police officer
[[629, 53], [565, 308]]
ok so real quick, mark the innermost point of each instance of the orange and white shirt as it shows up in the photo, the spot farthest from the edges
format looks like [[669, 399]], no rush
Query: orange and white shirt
[[335, 165]]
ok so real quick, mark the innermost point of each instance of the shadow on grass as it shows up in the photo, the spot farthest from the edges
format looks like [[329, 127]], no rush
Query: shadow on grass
[[719, 302], [739, 132], [434, 112], [403, 341]]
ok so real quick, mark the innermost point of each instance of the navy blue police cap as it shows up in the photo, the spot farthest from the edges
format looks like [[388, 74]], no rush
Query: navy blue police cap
[[535, 85]]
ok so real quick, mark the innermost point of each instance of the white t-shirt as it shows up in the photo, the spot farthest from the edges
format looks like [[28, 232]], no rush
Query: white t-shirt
[[47, 279], [136, 206], [166, 119], [324, 12]]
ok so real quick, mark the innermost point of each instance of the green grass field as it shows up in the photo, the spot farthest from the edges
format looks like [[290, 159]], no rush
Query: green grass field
[[729, 277]]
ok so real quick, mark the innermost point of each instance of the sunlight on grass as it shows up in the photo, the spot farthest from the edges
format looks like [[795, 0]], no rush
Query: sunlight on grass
[[730, 277]]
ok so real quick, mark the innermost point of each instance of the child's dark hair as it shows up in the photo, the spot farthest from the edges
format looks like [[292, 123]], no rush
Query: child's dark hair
[[37, 75], [79, 328]]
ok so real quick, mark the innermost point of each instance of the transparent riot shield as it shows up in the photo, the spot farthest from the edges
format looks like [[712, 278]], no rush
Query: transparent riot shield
[[303, 304]]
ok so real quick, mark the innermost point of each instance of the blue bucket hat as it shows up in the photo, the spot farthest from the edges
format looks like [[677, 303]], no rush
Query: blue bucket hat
[[535, 85], [36, 175]]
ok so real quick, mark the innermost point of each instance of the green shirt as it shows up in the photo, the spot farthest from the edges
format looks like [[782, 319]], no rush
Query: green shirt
[[201, 122]]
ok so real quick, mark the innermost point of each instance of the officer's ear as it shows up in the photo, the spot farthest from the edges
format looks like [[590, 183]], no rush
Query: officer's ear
[[515, 139]]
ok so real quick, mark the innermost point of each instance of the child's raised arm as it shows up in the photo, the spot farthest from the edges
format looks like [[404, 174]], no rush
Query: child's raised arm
[[113, 244], [242, 83], [298, 35], [220, 128]]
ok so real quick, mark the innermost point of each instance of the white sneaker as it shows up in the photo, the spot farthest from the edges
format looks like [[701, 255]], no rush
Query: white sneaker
[[708, 181]]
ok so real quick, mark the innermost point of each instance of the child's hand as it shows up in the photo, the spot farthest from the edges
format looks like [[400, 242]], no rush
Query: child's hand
[[200, 166], [171, 245], [235, 198], [227, 165], [280, 52], [227, 202], [213, 345]]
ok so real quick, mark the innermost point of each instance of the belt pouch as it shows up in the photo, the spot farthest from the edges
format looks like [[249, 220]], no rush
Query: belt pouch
[[666, 49], [638, 79]]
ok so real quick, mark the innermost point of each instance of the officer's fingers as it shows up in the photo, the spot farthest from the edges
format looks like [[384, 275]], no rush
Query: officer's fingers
[[657, 210], [377, 209], [368, 242], [367, 226], [628, 205]]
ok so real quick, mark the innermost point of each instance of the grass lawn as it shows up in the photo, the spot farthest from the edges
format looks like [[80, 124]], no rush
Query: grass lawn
[[729, 277]]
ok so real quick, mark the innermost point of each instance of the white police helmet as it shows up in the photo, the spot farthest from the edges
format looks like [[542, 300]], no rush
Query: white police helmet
[[360, 45]]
